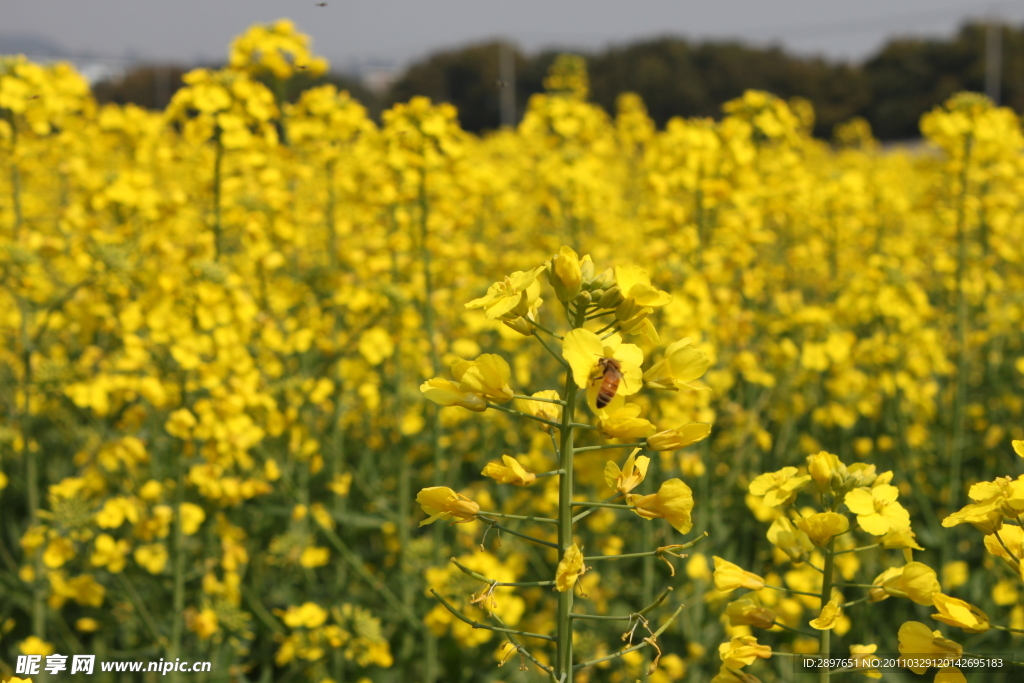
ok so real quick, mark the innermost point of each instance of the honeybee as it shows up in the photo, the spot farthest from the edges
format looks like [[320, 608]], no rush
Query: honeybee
[[611, 375]]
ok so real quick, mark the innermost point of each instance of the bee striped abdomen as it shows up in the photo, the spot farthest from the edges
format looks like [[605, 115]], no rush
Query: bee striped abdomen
[[611, 375]]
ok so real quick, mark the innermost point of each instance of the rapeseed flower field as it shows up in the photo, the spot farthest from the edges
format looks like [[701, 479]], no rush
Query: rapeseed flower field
[[317, 399]]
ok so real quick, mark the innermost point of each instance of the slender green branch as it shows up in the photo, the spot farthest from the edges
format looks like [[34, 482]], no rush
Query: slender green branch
[[634, 648], [542, 328], [554, 354], [795, 630], [590, 510], [1008, 551], [858, 550], [607, 327], [826, 595], [601, 617], [790, 590], [528, 518], [594, 504], [499, 527], [639, 444], [512, 411], [857, 601], [592, 316], [580, 425], [356, 563], [476, 624], [539, 400], [140, 605], [597, 558], [552, 473], [1006, 628]]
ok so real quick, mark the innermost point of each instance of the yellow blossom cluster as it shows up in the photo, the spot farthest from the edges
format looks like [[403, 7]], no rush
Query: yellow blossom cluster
[[214, 320]]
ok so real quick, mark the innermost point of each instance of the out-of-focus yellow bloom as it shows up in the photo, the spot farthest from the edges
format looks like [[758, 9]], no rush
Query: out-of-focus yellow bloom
[[511, 298], [862, 659], [542, 409], [681, 437], [566, 274], [917, 639], [729, 577], [440, 502], [830, 612], [681, 365], [673, 502], [1018, 447], [86, 625], [778, 488], [109, 553], [153, 557], [741, 651], [635, 284], [33, 645], [822, 466], [748, 610], [180, 423], [307, 615], [192, 517], [904, 538], [447, 393], [822, 526], [487, 376], [570, 567], [203, 623], [631, 474], [625, 422], [877, 511], [956, 612], [915, 580], [790, 539], [509, 473]]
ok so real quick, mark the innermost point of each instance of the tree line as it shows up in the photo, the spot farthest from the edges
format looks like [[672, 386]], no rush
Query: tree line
[[676, 77]]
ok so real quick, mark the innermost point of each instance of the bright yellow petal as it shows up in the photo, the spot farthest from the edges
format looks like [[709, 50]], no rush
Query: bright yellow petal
[[582, 349]]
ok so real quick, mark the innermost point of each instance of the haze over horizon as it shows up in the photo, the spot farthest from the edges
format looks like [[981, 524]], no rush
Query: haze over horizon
[[353, 34]]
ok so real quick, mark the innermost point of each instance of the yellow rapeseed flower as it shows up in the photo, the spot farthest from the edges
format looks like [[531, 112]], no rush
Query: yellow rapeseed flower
[[509, 473], [823, 526], [917, 641], [681, 437], [570, 567], [440, 502], [877, 511], [956, 612], [729, 577], [830, 612], [511, 298], [778, 488], [673, 502], [681, 365], [631, 474]]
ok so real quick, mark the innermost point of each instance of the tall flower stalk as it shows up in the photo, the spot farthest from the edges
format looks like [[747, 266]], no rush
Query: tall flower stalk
[[603, 371]]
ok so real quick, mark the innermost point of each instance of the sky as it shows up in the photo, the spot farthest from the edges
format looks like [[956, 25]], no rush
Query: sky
[[357, 34]]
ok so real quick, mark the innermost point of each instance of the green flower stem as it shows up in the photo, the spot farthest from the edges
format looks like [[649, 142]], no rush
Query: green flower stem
[[581, 425], [639, 444], [499, 527], [587, 512], [598, 315], [1006, 628], [826, 594], [558, 453], [794, 630], [140, 605], [635, 647], [552, 473], [556, 356], [261, 612], [858, 550], [218, 162], [788, 590], [609, 334], [601, 617], [178, 623], [476, 624], [528, 518], [593, 504], [480, 577], [356, 563], [597, 558], [563, 655], [607, 327], [856, 602], [540, 400], [855, 585], [513, 411], [1008, 551], [542, 328], [657, 602]]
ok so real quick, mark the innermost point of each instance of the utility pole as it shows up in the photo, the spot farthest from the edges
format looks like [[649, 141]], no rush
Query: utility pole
[[994, 59], [507, 83]]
